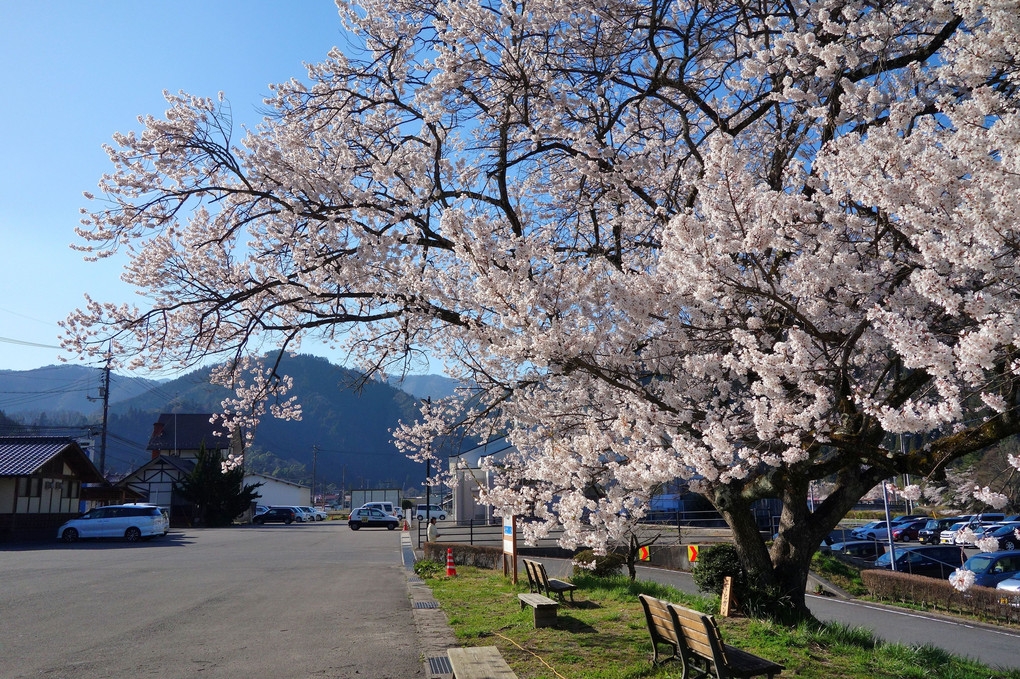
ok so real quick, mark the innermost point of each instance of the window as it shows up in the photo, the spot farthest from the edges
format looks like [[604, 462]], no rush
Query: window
[[70, 489], [29, 487]]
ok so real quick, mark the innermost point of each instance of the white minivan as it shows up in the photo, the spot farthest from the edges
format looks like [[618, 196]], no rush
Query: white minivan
[[131, 522], [387, 507], [426, 512]]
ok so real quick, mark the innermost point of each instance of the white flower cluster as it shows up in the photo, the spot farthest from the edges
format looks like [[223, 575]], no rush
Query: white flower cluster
[[990, 498], [231, 462], [962, 579]]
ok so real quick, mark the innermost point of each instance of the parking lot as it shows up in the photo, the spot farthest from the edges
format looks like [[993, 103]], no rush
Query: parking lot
[[315, 600]]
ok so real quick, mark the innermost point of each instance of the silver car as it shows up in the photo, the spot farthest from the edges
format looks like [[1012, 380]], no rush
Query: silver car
[[131, 522]]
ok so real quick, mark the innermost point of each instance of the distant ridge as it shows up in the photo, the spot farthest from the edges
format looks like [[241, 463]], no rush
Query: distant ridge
[[349, 426]]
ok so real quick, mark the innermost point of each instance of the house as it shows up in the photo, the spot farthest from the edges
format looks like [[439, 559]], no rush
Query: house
[[41, 481], [276, 491], [174, 445]]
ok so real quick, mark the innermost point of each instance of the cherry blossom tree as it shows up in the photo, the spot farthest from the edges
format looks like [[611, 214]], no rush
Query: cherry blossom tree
[[742, 244]]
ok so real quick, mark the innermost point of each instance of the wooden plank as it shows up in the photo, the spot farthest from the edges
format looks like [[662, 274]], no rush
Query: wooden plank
[[479, 662]]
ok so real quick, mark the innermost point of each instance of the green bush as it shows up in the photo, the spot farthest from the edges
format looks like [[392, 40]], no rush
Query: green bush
[[604, 566], [714, 564], [427, 568]]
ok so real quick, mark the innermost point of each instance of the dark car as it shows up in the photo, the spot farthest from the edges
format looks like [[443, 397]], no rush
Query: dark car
[[934, 561], [371, 517], [276, 515], [908, 531], [929, 535], [867, 550], [1006, 534]]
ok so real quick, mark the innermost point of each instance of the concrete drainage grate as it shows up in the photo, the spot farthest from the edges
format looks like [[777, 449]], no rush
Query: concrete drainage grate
[[426, 604], [415, 579], [440, 664]]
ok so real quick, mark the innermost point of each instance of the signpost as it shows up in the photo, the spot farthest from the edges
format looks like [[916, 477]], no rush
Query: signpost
[[726, 604], [510, 546]]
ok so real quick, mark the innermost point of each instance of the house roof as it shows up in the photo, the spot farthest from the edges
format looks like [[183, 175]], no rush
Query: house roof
[[496, 448], [255, 476], [187, 431], [184, 466], [24, 455]]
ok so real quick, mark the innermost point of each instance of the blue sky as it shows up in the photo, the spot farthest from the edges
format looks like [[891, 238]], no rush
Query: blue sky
[[73, 73]]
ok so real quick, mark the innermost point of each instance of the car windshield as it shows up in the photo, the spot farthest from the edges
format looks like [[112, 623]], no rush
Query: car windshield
[[1004, 530], [979, 563], [883, 560]]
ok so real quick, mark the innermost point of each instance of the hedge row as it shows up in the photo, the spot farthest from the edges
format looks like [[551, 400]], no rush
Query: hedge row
[[465, 555], [936, 594]]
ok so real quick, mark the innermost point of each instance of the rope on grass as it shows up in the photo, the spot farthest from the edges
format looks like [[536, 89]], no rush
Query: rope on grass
[[540, 659]]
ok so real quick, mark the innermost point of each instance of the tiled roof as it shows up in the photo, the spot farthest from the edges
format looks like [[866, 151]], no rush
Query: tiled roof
[[23, 455], [187, 431], [20, 456]]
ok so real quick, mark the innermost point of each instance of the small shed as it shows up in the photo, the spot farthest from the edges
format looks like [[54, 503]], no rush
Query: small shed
[[41, 481], [276, 491]]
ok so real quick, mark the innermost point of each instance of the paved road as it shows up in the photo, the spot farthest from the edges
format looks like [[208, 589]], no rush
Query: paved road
[[277, 601]]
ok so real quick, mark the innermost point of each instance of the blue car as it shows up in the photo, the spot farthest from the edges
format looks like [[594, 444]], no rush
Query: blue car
[[992, 568]]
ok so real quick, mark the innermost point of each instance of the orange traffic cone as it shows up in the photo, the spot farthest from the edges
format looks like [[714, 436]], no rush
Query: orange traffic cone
[[450, 570], [406, 527]]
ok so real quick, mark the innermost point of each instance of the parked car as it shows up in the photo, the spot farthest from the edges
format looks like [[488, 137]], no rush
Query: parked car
[[930, 534], [861, 531], [1006, 534], [878, 530], [908, 518], [372, 517], [316, 514], [867, 550], [276, 515], [935, 561], [131, 522], [386, 507], [426, 512], [955, 535], [992, 568], [261, 509], [300, 515], [908, 531]]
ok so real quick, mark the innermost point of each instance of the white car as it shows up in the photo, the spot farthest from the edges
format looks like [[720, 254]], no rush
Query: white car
[[131, 522], [426, 512], [316, 514]]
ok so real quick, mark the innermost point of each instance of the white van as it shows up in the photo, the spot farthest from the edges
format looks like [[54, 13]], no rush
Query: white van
[[426, 512], [387, 507]]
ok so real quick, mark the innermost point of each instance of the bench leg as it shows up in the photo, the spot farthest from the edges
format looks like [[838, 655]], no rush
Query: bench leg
[[545, 617]]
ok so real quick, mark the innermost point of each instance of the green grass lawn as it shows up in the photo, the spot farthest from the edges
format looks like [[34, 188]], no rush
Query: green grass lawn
[[604, 636]]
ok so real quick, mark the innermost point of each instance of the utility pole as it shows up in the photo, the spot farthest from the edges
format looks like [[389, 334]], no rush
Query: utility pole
[[428, 469], [104, 396], [315, 455]]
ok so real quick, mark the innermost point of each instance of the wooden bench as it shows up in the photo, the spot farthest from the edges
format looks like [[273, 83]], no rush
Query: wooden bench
[[660, 626], [540, 581], [479, 662], [699, 644], [544, 607]]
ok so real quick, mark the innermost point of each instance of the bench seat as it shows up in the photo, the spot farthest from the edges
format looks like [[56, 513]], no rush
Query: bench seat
[[479, 662], [544, 608]]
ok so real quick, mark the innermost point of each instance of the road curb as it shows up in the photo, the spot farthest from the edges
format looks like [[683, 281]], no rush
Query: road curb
[[433, 629]]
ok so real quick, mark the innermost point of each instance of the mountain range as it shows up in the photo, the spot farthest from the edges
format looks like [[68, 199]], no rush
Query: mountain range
[[344, 433]]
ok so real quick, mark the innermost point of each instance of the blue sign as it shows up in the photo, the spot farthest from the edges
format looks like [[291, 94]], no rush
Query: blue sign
[[508, 530]]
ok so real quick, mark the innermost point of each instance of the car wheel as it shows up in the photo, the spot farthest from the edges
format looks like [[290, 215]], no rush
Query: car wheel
[[391, 526], [419, 517], [1009, 545], [288, 521], [132, 534], [355, 526], [70, 535], [442, 517], [257, 521]]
